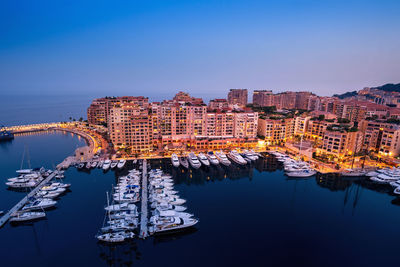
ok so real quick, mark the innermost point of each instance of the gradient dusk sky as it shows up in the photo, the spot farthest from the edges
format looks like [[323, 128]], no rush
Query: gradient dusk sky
[[155, 48]]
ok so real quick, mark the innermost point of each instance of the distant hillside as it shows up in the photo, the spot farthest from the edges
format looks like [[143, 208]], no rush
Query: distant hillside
[[389, 87], [346, 95]]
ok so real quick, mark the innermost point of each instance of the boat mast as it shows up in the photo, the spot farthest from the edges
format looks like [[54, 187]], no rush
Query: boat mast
[[23, 156]]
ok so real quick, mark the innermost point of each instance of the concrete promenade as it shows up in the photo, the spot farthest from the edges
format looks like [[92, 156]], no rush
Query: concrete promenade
[[144, 208]]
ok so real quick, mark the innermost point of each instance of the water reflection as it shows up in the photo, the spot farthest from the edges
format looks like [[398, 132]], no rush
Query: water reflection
[[119, 255]]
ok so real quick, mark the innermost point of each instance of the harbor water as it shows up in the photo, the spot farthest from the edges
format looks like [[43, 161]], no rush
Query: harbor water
[[251, 216]]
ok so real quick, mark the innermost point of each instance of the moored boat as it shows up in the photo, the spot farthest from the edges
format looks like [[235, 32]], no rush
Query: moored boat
[[106, 164], [175, 160], [194, 161], [222, 158], [27, 216], [212, 158], [237, 158], [121, 163], [203, 159]]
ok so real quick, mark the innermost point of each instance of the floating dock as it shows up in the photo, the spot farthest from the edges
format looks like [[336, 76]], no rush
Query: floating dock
[[22, 203], [144, 208]]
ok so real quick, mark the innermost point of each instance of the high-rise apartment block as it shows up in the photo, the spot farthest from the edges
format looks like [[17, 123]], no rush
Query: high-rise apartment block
[[237, 97]]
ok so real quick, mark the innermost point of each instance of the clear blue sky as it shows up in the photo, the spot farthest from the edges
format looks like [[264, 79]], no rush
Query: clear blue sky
[[155, 48]]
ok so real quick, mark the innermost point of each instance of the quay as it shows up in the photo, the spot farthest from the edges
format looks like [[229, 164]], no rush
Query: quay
[[144, 208], [20, 204]]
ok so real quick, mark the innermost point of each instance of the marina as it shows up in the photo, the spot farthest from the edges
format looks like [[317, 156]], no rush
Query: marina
[[212, 194]]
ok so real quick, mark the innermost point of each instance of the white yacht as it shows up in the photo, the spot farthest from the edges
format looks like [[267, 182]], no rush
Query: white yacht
[[175, 160], [235, 157], [121, 207], [107, 164], [379, 180], [395, 184], [203, 159], [222, 158], [194, 161], [394, 176], [88, 165], [302, 173], [42, 203], [27, 216], [22, 184], [163, 205], [212, 158], [171, 200], [121, 163], [116, 237], [171, 224], [250, 155], [93, 164]]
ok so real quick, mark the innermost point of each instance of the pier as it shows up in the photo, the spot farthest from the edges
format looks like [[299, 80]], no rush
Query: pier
[[22, 203], [144, 208]]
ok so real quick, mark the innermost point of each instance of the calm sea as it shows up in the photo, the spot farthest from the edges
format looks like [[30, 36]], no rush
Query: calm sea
[[253, 216], [17, 110]]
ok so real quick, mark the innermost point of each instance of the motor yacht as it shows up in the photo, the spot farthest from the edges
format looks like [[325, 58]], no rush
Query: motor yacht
[[237, 158], [162, 206], [194, 161], [116, 237], [203, 159], [212, 158], [250, 155], [93, 164], [175, 160], [88, 165], [171, 224], [27, 216], [121, 163], [107, 164], [121, 207], [22, 184], [222, 158], [41, 203]]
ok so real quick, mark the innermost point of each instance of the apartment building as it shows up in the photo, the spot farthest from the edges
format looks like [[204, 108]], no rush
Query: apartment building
[[340, 143], [381, 137], [237, 97], [273, 131], [99, 110], [130, 127], [263, 98], [219, 103]]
